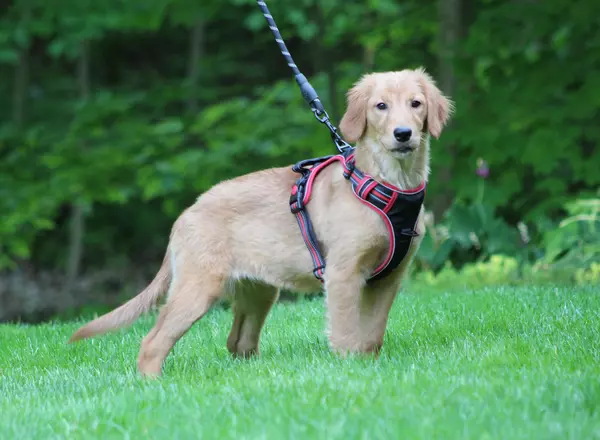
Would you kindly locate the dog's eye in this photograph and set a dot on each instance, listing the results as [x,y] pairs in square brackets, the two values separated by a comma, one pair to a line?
[415,103]
[382,106]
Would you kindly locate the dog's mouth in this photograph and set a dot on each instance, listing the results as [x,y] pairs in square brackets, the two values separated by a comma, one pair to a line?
[403,149]
[398,149]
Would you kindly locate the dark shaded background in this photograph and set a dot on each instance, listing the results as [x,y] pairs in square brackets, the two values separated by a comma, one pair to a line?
[117,115]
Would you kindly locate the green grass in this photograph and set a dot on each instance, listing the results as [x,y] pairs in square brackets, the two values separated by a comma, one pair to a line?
[511,363]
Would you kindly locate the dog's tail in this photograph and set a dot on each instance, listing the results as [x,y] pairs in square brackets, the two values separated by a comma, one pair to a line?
[130,311]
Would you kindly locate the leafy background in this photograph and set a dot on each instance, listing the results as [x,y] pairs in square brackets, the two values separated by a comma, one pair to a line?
[117,115]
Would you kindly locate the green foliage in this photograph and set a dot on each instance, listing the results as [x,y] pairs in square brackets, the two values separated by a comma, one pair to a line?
[522,111]
[471,248]
[589,275]
[470,231]
[575,241]
[498,270]
[134,151]
[502,270]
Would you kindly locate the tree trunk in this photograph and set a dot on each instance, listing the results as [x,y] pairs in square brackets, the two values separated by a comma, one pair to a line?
[449,34]
[195,56]
[368,58]
[77,221]
[20,90]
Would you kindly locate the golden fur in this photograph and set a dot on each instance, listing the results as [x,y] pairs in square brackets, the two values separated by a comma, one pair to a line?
[241,238]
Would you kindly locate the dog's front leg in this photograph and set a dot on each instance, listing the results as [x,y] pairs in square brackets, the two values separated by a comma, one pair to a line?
[343,289]
[357,311]
[376,302]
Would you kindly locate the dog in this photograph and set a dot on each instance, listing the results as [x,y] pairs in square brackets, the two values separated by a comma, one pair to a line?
[240,238]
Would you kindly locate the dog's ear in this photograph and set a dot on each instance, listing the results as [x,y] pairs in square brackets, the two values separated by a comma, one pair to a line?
[439,107]
[354,122]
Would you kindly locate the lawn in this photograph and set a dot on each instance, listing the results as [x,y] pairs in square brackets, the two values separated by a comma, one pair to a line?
[511,363]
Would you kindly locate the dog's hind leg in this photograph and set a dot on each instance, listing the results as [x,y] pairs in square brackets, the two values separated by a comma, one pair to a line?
[251,306]
[191,295]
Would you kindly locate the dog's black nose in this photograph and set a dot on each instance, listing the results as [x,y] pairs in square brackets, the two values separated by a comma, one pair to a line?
[402,134]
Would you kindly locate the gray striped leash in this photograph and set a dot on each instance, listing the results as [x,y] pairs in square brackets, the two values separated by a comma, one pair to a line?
[308,92]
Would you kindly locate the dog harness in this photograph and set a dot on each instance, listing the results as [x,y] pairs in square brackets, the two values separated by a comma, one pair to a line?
[399,209]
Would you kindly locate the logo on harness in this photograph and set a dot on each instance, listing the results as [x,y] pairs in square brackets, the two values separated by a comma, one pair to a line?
[399,209]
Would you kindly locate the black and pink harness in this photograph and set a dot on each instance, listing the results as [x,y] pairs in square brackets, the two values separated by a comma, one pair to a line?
[399,209]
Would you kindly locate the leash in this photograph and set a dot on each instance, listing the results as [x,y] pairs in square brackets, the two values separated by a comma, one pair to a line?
[307,90]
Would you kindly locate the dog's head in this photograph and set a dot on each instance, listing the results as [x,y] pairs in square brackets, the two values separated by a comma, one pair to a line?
[395,109]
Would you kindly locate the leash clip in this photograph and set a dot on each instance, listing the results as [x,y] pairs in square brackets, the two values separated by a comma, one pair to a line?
[320,115]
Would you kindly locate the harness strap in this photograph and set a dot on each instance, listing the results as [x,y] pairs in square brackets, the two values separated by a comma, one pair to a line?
[300,196]
[306,229]
[378,196]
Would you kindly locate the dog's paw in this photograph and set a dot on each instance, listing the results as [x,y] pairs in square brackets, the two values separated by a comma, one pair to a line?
[149,368]
[358,349]
[237,350]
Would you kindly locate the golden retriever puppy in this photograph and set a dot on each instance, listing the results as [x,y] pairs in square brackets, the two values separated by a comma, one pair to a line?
[241,238]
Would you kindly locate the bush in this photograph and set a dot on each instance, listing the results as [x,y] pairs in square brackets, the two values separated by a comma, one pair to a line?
[470,231]
[575,242]
[498,269]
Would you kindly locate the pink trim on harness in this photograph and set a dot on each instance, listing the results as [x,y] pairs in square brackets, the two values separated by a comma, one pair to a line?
[314,171]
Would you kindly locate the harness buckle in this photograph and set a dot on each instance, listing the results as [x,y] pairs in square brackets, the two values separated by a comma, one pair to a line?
[409,232]
[361,190]
[349,169]
[297,196]
[301,167]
